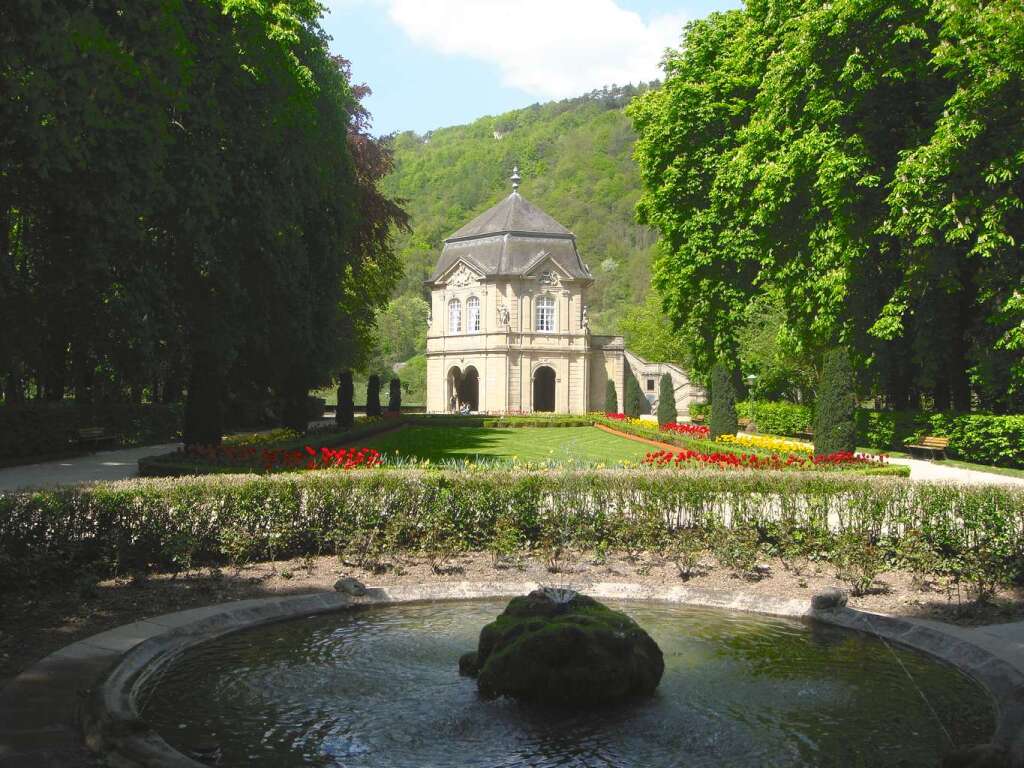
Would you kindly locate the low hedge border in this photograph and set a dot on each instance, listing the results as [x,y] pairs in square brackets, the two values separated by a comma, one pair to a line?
[970,533]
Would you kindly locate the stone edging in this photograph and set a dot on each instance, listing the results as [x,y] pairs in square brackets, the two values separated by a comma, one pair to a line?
[42,720]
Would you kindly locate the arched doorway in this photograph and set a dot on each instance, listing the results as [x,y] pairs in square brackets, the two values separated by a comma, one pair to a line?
[544,389]
[463,390]
[469,390]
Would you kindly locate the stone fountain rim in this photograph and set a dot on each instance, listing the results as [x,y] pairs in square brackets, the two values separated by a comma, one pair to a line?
[126,655]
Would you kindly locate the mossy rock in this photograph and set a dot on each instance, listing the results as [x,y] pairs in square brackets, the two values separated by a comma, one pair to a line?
[564,649]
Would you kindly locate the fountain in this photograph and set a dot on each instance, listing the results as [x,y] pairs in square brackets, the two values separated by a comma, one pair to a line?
[555,646]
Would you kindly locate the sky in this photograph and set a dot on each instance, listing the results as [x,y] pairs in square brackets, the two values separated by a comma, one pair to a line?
[435,63]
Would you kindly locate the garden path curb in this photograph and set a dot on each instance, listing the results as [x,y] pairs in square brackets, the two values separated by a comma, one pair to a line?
[81,698]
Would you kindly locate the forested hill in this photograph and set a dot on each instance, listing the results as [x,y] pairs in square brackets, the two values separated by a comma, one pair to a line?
[575,157]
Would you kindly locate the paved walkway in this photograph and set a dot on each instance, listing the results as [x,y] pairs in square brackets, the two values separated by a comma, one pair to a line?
[105,465]
[929,470]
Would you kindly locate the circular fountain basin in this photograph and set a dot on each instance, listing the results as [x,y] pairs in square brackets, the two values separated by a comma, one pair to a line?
[379,686]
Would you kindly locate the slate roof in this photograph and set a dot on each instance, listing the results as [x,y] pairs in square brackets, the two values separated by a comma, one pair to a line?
[508,239]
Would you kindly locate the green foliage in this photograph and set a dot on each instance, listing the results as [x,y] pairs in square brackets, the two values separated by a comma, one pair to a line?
[776,418]
[981,438]
[834,426]
[648,333]
[634,403]
[684,547]
[345,414]
[972,535]
[395,395]
[666,400]
[189,207]
[611,399]
[723,402]
[858,559]
[373,396]
[845,197]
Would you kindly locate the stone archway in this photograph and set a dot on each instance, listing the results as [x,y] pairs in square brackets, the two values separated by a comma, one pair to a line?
[544,389]
[469,390]
[463,389]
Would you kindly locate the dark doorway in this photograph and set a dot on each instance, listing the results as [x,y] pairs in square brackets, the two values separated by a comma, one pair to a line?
[469,388]
[544,389]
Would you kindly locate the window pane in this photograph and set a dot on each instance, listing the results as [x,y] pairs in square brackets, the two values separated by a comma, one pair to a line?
[473,314]
[454,316]
[545,314]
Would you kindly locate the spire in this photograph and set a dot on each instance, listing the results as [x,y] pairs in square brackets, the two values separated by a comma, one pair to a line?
[516,178]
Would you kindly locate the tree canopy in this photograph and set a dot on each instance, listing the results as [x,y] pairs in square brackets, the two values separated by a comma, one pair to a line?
[188,202]
[863,160]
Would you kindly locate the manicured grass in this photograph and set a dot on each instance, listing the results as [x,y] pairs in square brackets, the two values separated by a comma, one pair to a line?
[563,444]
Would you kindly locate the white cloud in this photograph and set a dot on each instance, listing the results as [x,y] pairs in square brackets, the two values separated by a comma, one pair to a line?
[548,48]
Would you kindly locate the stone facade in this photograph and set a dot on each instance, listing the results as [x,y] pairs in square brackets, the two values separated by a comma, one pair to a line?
[508,326]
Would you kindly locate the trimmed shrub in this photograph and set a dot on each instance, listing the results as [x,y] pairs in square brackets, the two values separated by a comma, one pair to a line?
[834,426]
[346,413]
[980,437]
[635,402]
[373,396]
[666,401]
[611,397]
[395,395]
[972,534]
[723,402]
[777,417]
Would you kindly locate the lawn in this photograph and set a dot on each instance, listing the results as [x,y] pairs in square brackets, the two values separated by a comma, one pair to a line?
[562,444]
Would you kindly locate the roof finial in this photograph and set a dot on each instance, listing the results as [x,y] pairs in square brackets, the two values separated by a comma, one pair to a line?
[516,178]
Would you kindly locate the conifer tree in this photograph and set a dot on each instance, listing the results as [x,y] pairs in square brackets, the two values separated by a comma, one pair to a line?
[634,400]
[666,401]
[395,395]
[611,398]
[834,414]
[723,401]
[373,396]
[345,415]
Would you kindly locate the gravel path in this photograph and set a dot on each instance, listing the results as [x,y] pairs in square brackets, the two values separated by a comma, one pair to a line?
[929,470]
[105,465]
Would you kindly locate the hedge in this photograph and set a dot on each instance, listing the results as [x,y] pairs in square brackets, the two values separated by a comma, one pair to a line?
[969,532]
[39,428]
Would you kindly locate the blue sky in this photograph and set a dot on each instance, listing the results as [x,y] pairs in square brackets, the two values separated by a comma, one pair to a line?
[433,63]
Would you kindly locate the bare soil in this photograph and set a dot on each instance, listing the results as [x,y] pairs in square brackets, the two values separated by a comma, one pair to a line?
[36,620]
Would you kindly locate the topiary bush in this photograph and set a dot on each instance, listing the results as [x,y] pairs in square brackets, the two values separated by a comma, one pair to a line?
[666,401]
[611,397]
[373,396]
[834,426]
[723,402]
[635,401]
[395,395]
[346,413]
[777,417]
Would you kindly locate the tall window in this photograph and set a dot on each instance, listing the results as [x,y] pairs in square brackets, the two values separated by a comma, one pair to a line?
[454,316]
[545,314]
[473,314]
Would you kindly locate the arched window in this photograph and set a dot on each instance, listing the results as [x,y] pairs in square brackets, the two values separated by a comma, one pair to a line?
[454,316]
[472,315]
[545,314]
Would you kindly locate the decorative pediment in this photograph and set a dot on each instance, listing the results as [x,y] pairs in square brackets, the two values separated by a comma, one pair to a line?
[460,275]
[546,271]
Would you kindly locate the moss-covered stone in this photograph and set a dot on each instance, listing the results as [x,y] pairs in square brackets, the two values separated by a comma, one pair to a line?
[562,648]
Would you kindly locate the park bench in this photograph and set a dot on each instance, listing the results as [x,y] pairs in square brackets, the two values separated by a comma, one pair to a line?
[932,445]
[94,436]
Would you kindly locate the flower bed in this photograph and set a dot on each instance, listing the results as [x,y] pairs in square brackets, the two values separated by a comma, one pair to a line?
[698,431]
[768,442]
[728,460]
